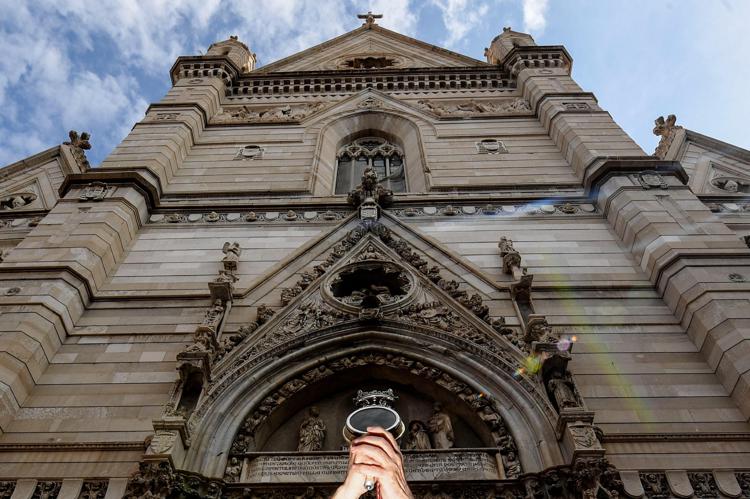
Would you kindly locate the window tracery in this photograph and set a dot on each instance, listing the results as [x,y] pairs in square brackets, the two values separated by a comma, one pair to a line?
[382,156]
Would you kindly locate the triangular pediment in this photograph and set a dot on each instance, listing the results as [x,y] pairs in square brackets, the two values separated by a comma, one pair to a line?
[372,47]
[408,290]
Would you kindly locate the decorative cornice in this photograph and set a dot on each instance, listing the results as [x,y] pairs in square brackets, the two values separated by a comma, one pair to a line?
[675,437]
[72,446]
[250,217]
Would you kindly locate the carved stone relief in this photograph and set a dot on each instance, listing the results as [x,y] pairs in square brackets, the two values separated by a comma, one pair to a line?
[79,143]
[249,152]
[732,185]
[17,201]
[93,489]
[313,314]
[655,485]
[46,490]
[490,146]
[439,426]
[704,484]
[473,108]
[263,114]
[95,191]
[652,179]
[6,489]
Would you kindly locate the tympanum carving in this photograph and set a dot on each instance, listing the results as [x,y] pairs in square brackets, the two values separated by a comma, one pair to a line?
[440,426]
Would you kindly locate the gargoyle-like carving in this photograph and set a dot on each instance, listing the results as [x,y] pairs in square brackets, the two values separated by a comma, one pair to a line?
[78,144]
[475,108]
[666,129]
[370,188]
[539,330]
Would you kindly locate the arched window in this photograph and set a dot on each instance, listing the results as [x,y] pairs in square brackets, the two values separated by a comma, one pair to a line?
[385,158]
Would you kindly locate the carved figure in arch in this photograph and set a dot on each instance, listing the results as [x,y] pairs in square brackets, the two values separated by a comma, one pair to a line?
[512,465]
[312,432]
[441,428]
[562,392]
[417,438]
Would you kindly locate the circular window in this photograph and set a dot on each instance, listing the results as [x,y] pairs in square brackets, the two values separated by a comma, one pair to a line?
[369,285]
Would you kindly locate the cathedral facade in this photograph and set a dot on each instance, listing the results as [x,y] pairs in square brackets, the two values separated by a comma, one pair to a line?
[473,249]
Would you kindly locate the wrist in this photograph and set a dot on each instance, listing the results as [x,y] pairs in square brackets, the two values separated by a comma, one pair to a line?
[348,490]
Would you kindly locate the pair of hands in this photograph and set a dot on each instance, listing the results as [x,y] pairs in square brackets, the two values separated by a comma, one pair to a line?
[376,457]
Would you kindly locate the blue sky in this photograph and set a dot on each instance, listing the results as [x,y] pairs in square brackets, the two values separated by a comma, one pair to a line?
[95,65]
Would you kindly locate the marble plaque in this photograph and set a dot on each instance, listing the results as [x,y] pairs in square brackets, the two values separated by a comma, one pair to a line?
[422,466]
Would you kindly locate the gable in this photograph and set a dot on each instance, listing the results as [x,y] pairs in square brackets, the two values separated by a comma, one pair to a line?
[371,47]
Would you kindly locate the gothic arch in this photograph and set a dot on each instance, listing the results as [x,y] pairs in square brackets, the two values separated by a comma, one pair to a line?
[373,116]
[528,423]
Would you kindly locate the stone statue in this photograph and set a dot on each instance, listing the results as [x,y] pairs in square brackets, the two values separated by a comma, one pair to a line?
[512,465]
[417,438]
[441,428]
[213,315]
[312,431]
[562,393]
[231,255]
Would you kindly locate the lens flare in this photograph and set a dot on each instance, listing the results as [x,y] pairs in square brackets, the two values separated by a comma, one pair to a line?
[533,364]
[563,344]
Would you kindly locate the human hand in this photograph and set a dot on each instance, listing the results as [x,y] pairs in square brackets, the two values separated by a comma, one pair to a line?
[377,457]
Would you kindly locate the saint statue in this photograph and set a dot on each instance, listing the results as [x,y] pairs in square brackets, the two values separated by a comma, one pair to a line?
[312,431]
[441,428]
[562,393]
[418,438]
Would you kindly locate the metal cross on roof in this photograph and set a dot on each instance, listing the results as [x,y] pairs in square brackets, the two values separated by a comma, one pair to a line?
[369,17]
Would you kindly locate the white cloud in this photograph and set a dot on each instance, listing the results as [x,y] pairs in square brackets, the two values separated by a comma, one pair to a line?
[534,15]
[460,17]
[398,15]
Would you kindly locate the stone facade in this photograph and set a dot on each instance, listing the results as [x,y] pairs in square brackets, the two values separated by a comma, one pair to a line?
[557,312]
